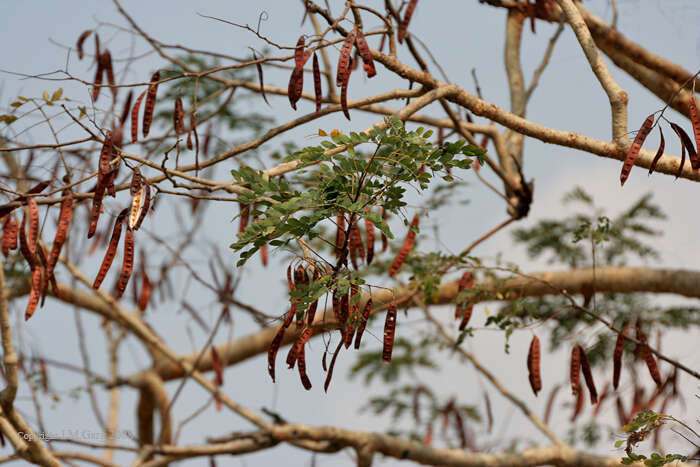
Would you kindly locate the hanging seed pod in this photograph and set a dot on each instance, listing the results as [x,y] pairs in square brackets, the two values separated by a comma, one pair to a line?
[687,143]
[580,399]
[27,254]
[464,311]
[550,403]
[385,241]
[64,219]
[694,118]
[272,351]
[105,157]
[363,49]
[659,152]
[146,289]
[9,234]
[126,109]
[332,365]
[179,117]
[533,365]
[389,329]
[109,70]
[136,210]
[369,228]
[305,381]
[150,104]
[135,117]
[357,248]
[136,182]
[647,356]
[146,189]
[81,39]
[634,149]
[33,225]
[295,87]
[363,322]
[318,91]
[622,416]
[111,249]
[260,78]
[403,24]
[264,255]
[617,356]
[405,248]
[588,376]
[575,370]
[603,396]
[43,262]
[299,53]
[340,233]
[344,60]
[193,128]
[218,367]
[344,94]
[97,81]
[34,292]
[244,211]
[127,263]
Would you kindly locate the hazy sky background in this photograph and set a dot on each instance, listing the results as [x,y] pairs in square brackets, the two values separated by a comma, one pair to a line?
[462,35]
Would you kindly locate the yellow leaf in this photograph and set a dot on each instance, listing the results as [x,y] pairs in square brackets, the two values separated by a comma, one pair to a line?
[57,95]
[322,133]
[45,95]
[336,132]
[82,112]
[23,99]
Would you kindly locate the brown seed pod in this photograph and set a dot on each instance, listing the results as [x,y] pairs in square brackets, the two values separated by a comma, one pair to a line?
[260,78]
[146,205]
[81,39]
[588,376]
[105,157]
[354,315]
[135,212]
[299,53]
[150,104]
[385,241]
[403,24]
[127,263]
[389,330]
[687,143]
[43,261]
[344,95]
[111,249]
[97,47]
[363,322]
[575,370]
[264,255]
[106,57]
[682,164]
[34,292]
[10,229]
[357,248]
[296,86]
[332,365]
[647,356]
[136,182]
[301,358]
[405,248]
[617,356]
[126,109]
[97,81]
[318,91]
[550,403]
[343,72]
[634,149]
[603,395]
[659,152]
[363,49]
[272,351]
[462,311]
[64,219]
[27,254]
[217,366]
[244,211]
[135,117]
[622,416]
[33,225]
[694,118]
[193,129]
[179,117]
[146,289]
[340,233]
[533,365]
[369,228]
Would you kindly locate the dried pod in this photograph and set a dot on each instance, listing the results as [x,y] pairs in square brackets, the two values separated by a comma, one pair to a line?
[343,72]
[244,210]
[217,366]
[580,399]
[146,205]
[135,117]
[106,57]
[389,330]
[301,366]
[647,356]
[588,376]
[193,129]
[127,263]
[405,248]
[357,248]
[694,118]
[332,365]
[363,49]
[27,254]
[105,157]
[34,292]
[617,356]
[136,210]
[634,149]
[150,104]
[463,311]
[10,229]
[296,86]
[272,351]
[126,109]
[146,289]
[363,322]
[179,117]
[318,92]
[344,95]
[97,81]
[550,403]
[385,241]
[64,219]
[575,370]
[81,39]
[403,24]
[260,78]
[299,53]
[33,225]
[369,228]
[687,143]
[111,249]
[136,182]
[659,152]
[340,233]
[533,365]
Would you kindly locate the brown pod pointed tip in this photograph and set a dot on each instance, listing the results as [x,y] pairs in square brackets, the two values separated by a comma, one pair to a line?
[135,117]
[635,148]
[150,103]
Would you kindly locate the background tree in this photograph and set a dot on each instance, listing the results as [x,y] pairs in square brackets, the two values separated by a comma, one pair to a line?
[149,146]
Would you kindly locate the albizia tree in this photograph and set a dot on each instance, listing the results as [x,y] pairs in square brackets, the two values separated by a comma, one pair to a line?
[108,213]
